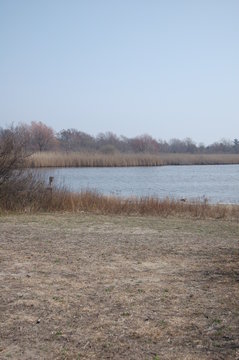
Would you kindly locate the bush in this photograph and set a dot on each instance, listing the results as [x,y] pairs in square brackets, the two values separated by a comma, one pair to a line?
[12,155]
[18,186]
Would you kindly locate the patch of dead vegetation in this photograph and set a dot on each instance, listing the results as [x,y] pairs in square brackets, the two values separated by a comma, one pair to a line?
[97,287]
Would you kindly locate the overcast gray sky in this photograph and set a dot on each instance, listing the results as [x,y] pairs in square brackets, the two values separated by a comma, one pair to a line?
[167,68]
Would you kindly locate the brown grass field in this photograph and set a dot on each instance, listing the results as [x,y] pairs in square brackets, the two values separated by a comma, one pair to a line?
[77,286]
[76,159]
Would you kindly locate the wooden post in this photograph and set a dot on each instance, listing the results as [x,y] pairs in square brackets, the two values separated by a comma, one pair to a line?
[51,178]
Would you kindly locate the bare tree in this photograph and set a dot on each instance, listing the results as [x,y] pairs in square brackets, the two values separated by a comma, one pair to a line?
[19,187]
[42,136]
[12,153]
[74,140]
[236,145]
[144,143]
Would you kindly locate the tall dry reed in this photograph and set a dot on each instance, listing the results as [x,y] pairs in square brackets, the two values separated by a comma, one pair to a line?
[94,202]
[47,200]
[74,159]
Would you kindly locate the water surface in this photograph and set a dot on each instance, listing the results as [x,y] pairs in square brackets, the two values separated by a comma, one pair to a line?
[218,183]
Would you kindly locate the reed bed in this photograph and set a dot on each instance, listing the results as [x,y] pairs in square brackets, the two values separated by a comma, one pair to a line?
[89,201]
[55,200]
[76,159]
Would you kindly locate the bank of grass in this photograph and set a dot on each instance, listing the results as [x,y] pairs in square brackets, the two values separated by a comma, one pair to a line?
[43,199]
[97,203]
[77,159]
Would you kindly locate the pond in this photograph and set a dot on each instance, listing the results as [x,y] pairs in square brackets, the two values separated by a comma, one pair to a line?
[218,183]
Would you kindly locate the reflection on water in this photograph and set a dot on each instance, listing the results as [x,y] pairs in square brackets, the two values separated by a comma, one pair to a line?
[218,183]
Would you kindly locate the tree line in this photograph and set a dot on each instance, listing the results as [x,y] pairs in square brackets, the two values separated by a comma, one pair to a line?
[39,137]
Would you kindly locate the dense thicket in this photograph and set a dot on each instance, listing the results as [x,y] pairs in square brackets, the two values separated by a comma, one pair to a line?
[40,137]
[18,186]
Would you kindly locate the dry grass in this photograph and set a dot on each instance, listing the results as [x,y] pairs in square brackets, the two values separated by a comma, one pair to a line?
[96,203]
[92,202]
[74,159]
[102,287]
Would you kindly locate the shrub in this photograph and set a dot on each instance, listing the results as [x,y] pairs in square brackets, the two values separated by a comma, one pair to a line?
[12,155]
[18,186]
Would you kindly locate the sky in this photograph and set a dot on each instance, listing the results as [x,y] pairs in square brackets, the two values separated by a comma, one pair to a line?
[167,68]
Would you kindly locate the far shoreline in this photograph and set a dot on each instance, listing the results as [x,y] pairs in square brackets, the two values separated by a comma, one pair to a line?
[59,159]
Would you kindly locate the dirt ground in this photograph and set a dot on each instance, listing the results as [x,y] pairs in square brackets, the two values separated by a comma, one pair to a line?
[97,287]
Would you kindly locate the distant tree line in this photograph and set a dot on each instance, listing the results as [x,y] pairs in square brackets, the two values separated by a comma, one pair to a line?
[39,137]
